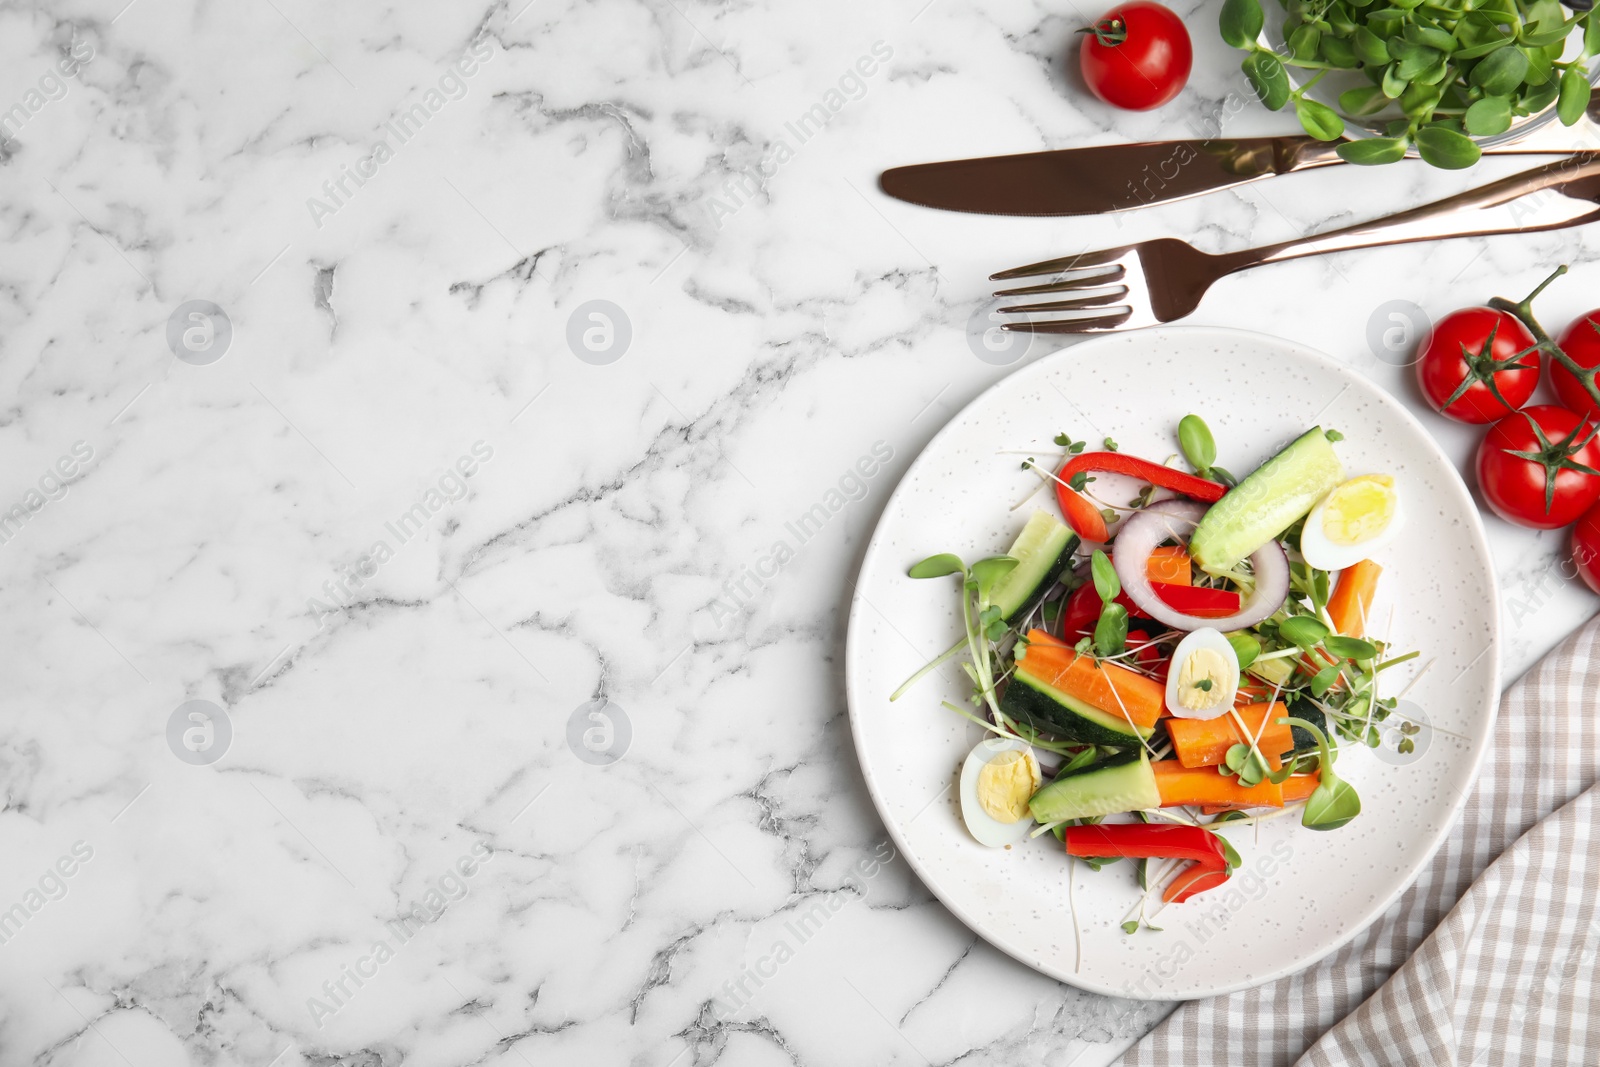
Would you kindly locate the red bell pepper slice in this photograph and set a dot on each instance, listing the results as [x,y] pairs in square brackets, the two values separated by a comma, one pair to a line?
[1198,600]
[1081,612]
[1143,840]
[1189,485]
[1081,514]
[1157,841]
[1191,882]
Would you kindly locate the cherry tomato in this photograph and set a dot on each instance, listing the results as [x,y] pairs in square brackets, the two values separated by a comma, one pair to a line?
[1458,350]
[1551,490]
[1137,57]
[1581,341]
[1586,548]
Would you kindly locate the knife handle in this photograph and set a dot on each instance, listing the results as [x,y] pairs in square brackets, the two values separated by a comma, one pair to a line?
[1563,193]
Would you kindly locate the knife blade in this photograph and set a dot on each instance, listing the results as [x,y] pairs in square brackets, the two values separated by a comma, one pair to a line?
[1103,178]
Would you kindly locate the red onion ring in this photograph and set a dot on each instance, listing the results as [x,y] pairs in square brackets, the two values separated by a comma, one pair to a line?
[1145,529]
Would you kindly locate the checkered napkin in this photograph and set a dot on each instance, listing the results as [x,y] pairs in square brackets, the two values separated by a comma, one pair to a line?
[1491,956]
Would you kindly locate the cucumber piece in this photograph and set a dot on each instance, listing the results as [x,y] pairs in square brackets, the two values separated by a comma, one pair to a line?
[1273,671]
[1043,550]
[1304,740]
[1042,706]
[1121,783]
[1274,497]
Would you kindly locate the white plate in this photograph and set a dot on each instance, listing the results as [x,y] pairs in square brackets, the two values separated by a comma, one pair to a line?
[1301,893]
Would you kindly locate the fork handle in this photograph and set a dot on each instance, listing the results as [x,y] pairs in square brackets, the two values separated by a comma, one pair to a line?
[1532,200]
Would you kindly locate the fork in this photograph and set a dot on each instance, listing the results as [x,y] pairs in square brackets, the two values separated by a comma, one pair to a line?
[1164,279]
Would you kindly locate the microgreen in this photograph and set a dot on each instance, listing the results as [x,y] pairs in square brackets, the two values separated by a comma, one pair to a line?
[1247,648]
[1349,647]
[1303,630]
[982,621]
[1199,447]
[1111,630]
[938,566]
[1444,68]
[1334,802]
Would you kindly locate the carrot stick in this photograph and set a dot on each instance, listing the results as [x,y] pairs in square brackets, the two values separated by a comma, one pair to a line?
[1349,604]
[1180,786]
[1299,787]
[1170,565]
[1352,597]
[1114,690]
[1205,742]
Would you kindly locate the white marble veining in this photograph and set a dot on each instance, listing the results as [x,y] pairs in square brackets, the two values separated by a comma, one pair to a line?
[401,534]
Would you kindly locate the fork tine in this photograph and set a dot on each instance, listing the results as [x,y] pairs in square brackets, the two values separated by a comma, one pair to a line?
[1091,324]
[1117,296]
[1065,263]
[1115,274]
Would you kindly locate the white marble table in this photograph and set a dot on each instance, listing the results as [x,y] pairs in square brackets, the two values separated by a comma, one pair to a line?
[398,535]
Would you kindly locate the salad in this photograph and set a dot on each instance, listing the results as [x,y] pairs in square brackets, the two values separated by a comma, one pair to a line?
[1150,673]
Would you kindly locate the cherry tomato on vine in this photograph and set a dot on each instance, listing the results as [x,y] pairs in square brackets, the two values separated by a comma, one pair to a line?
[1540,467]
[1581,341]
[1473,360]
[1586,548]
[1136,57]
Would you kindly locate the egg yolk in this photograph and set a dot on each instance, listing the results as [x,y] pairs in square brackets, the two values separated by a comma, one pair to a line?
[1200,679]
[1005,783]
[1359,510]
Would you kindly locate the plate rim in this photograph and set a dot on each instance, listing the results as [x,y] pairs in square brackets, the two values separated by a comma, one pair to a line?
[1480,542]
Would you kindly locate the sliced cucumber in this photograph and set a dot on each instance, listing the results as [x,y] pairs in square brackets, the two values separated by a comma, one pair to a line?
[1044,707]
[1304,740]
[1121,783]
[1273,498]
[1042,550]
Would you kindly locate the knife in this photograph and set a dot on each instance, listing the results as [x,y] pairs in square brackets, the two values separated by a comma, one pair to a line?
[1101,178]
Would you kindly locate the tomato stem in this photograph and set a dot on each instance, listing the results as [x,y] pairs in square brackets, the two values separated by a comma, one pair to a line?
[1524,311]
[1109,32]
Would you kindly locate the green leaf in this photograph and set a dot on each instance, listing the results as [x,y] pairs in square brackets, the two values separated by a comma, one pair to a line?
[1541,69]
[1591,35]
[1539,97]
[1334,802]
[1319,120]
[1350,647]
[1575,92]
[1268,79]
[1241,22]
[1536,35]
[1324,679]
[1245,647]
[986,572]
[1373,152]
[938,566]
[1499,73]
[1483,48]
[1417,61]
[1130,926]
[1488,116]
[1393,84]
[1303,42]
[1339,52]
[1431,36]
[1111,631]
[1370,47]
[1367,100]
[1229,853]
[1303,630]
[1199,447]
[1329,809]
[1446,149]
[1105,576]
